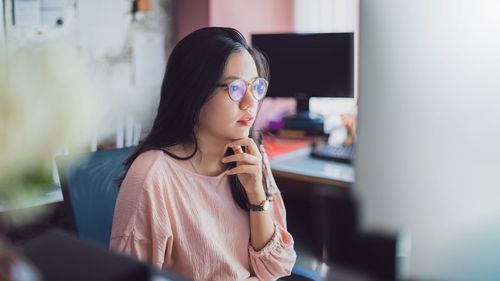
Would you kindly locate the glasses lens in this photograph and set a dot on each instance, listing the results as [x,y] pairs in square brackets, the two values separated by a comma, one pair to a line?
[237,89]
[259,88]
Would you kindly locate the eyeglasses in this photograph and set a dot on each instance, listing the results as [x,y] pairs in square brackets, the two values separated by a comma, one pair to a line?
[238,88]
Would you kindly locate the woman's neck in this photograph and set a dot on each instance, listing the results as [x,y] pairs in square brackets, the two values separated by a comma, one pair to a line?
[208,159]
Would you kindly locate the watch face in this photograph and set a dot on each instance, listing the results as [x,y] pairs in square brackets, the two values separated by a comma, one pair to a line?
[263,206]
[266,205]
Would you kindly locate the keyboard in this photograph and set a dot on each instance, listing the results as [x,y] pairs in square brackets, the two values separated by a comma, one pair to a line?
[340,153]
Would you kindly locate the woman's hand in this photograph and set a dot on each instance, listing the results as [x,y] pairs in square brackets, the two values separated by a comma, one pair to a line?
[248,167]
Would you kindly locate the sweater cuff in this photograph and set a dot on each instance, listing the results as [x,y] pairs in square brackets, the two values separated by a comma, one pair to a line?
[273,243]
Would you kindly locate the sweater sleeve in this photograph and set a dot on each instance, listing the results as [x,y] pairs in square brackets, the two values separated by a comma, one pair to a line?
[277,258]
[141,225]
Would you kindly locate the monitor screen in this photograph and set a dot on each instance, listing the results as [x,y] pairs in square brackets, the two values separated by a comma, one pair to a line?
[309,65]
[428,152]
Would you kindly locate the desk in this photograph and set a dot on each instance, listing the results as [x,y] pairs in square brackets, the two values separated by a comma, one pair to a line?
[316,195]
[298,165]
[53,196]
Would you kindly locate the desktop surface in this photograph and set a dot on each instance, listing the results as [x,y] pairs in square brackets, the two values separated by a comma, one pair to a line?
[301,164]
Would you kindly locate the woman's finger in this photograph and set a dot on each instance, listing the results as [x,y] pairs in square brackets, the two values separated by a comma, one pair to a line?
[243,169]
[242,157]
[246,142]
[237,149]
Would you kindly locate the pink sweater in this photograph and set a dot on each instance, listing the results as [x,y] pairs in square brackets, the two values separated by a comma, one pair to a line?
[188,223]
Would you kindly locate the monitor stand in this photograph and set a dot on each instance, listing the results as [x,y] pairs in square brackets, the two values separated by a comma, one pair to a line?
[304,120]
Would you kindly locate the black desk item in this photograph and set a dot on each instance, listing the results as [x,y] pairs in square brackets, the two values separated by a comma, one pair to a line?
[59,256]
[340,153]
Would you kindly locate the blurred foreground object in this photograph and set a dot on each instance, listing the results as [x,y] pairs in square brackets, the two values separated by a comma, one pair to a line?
[13,267]
[60,256]
[46,102]
[428,152]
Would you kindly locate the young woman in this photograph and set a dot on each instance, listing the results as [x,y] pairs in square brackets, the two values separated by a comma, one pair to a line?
[198,197]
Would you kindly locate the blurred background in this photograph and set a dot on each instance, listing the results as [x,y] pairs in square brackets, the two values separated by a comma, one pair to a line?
[409,194]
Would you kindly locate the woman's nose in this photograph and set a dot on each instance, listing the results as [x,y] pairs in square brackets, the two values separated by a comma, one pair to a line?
[248,100]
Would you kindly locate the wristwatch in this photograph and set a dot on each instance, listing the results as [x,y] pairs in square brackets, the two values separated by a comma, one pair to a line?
[262,206]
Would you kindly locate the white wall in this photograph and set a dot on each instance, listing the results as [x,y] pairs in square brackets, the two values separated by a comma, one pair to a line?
[109,53]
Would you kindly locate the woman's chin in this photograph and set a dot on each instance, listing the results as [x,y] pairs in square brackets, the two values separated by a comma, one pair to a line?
[239,134]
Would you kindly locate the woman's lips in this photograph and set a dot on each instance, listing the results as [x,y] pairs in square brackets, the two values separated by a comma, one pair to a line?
[246,121]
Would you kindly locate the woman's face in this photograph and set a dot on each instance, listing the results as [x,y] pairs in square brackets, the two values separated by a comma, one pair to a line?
[222,117]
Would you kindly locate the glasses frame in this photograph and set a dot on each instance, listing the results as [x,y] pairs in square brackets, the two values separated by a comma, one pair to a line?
[248,85]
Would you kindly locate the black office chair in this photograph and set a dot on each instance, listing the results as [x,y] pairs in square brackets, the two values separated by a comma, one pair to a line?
[90,190]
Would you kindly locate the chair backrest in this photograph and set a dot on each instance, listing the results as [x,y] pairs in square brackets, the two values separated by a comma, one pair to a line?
[90,189]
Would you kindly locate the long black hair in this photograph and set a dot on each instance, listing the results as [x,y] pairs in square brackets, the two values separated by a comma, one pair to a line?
[194,68]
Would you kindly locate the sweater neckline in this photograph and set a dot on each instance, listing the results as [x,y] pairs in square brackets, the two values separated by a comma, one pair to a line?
[185,170]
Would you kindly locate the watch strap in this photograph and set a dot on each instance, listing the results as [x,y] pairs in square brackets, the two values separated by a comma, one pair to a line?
[259,207]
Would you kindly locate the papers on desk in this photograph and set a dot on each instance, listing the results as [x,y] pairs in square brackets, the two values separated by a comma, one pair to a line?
[279,146]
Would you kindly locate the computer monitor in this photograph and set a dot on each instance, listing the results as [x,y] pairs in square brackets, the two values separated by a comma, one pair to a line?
[309,65]
[428,152]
